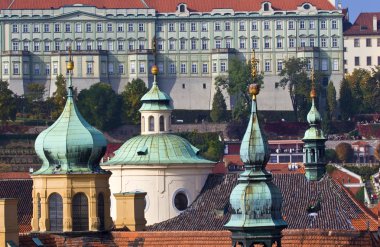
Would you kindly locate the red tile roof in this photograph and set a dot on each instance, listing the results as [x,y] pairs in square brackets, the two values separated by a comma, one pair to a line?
[167,5]
[14,175]
[364,20]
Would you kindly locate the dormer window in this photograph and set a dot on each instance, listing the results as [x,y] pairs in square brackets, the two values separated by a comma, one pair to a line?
[182,8]
[266,6]
[306,6]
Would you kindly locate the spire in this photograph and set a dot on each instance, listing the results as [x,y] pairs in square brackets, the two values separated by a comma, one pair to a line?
[314,140]
[70,68]
[255,201]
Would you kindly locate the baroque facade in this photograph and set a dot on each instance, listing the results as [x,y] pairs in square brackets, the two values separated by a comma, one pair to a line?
[194,41]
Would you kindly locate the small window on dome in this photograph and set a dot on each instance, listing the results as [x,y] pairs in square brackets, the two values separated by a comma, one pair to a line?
[306,6]
[182,8]
[180,201]
[266,6]
[151,123]
[143,124]
[162,123]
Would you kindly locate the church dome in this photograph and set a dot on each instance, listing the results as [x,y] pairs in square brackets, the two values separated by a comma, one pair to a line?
[70,145]
[155,150]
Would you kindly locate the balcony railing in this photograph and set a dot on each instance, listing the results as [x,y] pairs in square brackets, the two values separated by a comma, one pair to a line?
[307,49]
[223,50]
[15,53]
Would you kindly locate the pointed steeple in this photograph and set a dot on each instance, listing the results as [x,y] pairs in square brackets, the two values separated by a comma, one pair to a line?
[256,202]
[314,140]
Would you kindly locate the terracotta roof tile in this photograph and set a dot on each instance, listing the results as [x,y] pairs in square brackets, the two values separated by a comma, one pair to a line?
[364,25]
[14,175]
[166,5]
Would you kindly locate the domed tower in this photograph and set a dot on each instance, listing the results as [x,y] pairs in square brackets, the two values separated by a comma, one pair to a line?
[256,202]
[70,190]
[155,110]
[314,140]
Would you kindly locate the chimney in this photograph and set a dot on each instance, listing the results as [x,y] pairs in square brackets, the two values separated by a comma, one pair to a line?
[375,23]
[130,208]
[8,222]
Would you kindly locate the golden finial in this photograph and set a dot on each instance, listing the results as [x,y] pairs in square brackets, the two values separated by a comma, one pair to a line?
[70,63]
[313,93]
[154,70]
[254,63]
[253,90]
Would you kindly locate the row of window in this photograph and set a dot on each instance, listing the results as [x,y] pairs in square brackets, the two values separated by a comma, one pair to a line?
[76,27]
[182,26]
[368,61]
[172,68]
[242,25]
[368,42]
[172,44]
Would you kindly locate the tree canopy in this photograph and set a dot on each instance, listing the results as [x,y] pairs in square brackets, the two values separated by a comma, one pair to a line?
[7,103]
[100,106]
[59,96]
[219,108]
[344,152]
[345,99]
[236,83]
[132,95]
[331,100]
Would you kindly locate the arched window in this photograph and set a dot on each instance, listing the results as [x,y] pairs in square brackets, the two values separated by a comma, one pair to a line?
[101,211]
[266,6]
[80,212]
[162,123]
[182,8]
[143,124]
[56,212]
[151,123]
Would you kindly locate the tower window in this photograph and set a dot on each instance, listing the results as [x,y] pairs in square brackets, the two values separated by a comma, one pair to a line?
[56,212]
[162,123]
[183,86]
[80,212]
[151,123]
[266,6]
[180,201]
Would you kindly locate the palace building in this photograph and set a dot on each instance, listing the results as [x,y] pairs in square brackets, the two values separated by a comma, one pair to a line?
[190,41]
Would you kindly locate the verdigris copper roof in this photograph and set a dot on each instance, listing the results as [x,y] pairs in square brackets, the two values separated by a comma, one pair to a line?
[211,209]
[70,145]
[156,149]
[155,99]
[314,119]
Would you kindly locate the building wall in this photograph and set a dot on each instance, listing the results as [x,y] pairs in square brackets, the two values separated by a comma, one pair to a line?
[161,185]
[192,48]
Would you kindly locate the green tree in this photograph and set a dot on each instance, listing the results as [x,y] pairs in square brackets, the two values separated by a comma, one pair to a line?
[361,90]
[236,83]
[372,91]
[377,152]
[330,155]
[35,99]
[219,108]
[331,100]
[7,103]
[131,96]
[345,100]
[344,152]
[295,78]
[100,106]
[59,96]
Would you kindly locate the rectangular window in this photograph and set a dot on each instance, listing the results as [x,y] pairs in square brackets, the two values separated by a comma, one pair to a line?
[171,27]
[159,27]
[357,61]
[141,27]
[204,27]
[303,42]
[110,68]
[302,24]
[109,27]
[378,60]
[79,45]
[324,64]
[142,67]
[160,45]
[334,42]
[36,28]
[99,27]
[228,43]
[55,68]
[335,64]
[132,66]
[255,43]
[57,45]
[214,68]
[120,45]
[266,25]
[193,27]
[291,25]
[141,44]
[323,42]
[183,68]
[227,26]
[267,43]
[172,44]
[312,24]
[242,26]
[279,65]
[308,64]
[205,68]
[323,24]
[193,44]
[369,61]
[194,68]
[36,46]
[172,69]
[254,25]
[89,45]
[368,42]
[110,45]
[88,27]
[14,28]
[311,42]
[25,28]
[182,27]
[99,45]
[242,43]
[217,26]
[90,69]
[47,45]
[47,69]
[218,43]
[278,25]
[6,69]
[292,42]
[46,28]
[223,67]
[131,45]
[182,44]
[78,27]
[67,28]
[204,44]
[16,68]
[378,42]
[121,69]
[130,27]
[120,27]
[334,24]
[57,27]
[26,45]
[279,42]
[15,46]
[161,67]
[267,66]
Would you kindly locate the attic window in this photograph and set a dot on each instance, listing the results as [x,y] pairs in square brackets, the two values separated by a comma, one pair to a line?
[266,6]
[142,151]
[306,6]
[182,8]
